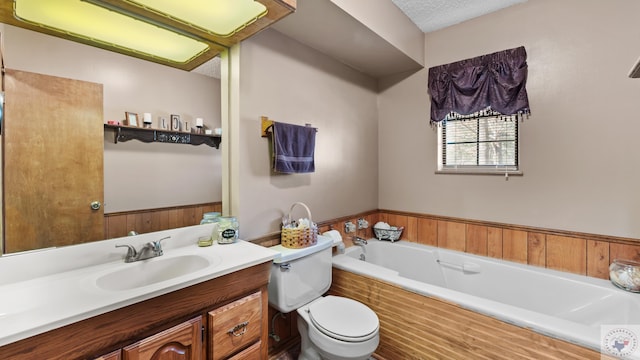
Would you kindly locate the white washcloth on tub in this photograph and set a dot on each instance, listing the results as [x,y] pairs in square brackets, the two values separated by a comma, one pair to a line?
[334,235]
[337,239]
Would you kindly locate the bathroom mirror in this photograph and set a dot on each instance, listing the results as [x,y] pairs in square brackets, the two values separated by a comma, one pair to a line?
[137,176]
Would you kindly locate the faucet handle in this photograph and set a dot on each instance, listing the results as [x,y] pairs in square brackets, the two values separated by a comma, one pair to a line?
[157,246]
[131,251]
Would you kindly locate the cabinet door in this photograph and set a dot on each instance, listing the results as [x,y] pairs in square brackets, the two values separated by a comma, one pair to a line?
[115,355]
[181,342]
[234,326]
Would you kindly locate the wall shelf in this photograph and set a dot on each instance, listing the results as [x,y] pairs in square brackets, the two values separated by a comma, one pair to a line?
[126,133]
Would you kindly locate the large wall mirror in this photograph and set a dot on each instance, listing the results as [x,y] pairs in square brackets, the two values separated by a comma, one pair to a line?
[136,175]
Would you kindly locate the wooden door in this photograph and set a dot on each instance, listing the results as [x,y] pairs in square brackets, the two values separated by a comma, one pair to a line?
[53,145]
[181,342]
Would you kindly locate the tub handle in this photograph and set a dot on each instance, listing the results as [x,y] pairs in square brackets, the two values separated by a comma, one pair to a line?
[467,268]
[285,267]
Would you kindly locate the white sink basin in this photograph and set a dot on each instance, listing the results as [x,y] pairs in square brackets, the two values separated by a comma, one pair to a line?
[147,272]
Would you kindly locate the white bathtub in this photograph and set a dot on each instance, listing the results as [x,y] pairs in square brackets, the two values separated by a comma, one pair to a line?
[558,304]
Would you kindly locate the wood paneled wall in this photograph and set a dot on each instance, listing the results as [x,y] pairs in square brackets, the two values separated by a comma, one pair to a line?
[144,221]
[574,252]
[579,253]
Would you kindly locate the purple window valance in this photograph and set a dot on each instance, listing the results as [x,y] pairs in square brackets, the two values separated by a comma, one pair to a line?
[493,83]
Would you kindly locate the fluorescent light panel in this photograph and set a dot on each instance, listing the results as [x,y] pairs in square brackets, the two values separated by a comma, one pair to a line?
[97,24]
[217,17]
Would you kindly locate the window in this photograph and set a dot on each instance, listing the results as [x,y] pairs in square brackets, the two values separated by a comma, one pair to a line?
[476,104]
[478,145]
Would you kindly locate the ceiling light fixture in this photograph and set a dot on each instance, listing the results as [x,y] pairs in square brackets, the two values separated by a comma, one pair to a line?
[216,17]
[181,34]
[110,28]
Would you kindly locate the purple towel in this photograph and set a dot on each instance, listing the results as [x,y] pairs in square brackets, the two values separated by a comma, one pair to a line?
[293,148]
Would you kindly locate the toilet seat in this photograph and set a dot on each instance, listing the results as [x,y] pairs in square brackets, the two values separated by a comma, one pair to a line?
[343,319]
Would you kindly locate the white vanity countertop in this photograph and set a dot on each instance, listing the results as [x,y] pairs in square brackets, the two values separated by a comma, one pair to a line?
[48,289]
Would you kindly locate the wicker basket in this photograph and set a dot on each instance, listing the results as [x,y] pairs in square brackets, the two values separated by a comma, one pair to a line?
[299,238]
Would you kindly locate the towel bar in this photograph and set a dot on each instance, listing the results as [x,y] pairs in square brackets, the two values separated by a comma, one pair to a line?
[266,124]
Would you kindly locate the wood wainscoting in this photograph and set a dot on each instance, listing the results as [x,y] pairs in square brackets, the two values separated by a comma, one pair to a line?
[149,220]
[413,326]
[569,251]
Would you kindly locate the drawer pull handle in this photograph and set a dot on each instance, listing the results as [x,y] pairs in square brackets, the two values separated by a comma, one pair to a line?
[239,329]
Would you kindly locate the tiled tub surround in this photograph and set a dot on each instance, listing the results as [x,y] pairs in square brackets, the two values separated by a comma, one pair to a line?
[571,308]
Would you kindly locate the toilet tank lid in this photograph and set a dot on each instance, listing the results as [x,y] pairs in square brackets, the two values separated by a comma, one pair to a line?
[287,254]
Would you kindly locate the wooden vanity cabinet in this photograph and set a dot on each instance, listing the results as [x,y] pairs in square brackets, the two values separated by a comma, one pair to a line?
[167,325]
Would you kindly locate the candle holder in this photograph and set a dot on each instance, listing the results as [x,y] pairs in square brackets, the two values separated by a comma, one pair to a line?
[146,120]
[199,125]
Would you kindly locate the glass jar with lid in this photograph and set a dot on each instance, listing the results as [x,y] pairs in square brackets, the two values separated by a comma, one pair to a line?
[210,217]
[227,232]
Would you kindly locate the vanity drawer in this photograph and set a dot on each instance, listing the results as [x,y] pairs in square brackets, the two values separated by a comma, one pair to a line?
[250,353]
[234,326]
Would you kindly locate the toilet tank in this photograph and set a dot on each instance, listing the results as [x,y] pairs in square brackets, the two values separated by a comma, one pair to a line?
[299,276]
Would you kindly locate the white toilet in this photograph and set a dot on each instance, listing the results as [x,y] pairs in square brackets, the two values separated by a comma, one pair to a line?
[331,327]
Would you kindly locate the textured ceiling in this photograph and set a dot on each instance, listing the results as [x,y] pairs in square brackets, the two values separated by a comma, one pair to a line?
[210,68]
[430,15]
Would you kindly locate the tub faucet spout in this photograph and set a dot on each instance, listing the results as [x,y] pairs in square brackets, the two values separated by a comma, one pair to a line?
[359,241]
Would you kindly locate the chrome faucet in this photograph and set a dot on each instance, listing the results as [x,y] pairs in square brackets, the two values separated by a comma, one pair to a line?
[148,251]
[358,241]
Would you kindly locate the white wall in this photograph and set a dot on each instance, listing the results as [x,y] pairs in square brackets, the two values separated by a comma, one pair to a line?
[579,149]
[292,83]
[137,175]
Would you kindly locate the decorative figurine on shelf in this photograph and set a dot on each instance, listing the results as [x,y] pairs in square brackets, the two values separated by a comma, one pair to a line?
[175,122]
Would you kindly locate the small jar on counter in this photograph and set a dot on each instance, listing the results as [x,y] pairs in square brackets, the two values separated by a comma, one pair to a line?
[227,230]
[210,217]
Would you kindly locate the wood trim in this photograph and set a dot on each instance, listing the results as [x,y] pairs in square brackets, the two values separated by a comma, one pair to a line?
[148,220]
[574,252]
[116,329]
[413,326]
[546,231]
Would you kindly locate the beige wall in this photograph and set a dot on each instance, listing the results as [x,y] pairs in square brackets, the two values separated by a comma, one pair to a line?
[389,22]
[137,175]
[292,83]
[579,149]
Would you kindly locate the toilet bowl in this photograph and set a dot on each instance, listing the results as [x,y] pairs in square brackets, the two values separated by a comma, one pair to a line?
[337,328]
[331,327]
